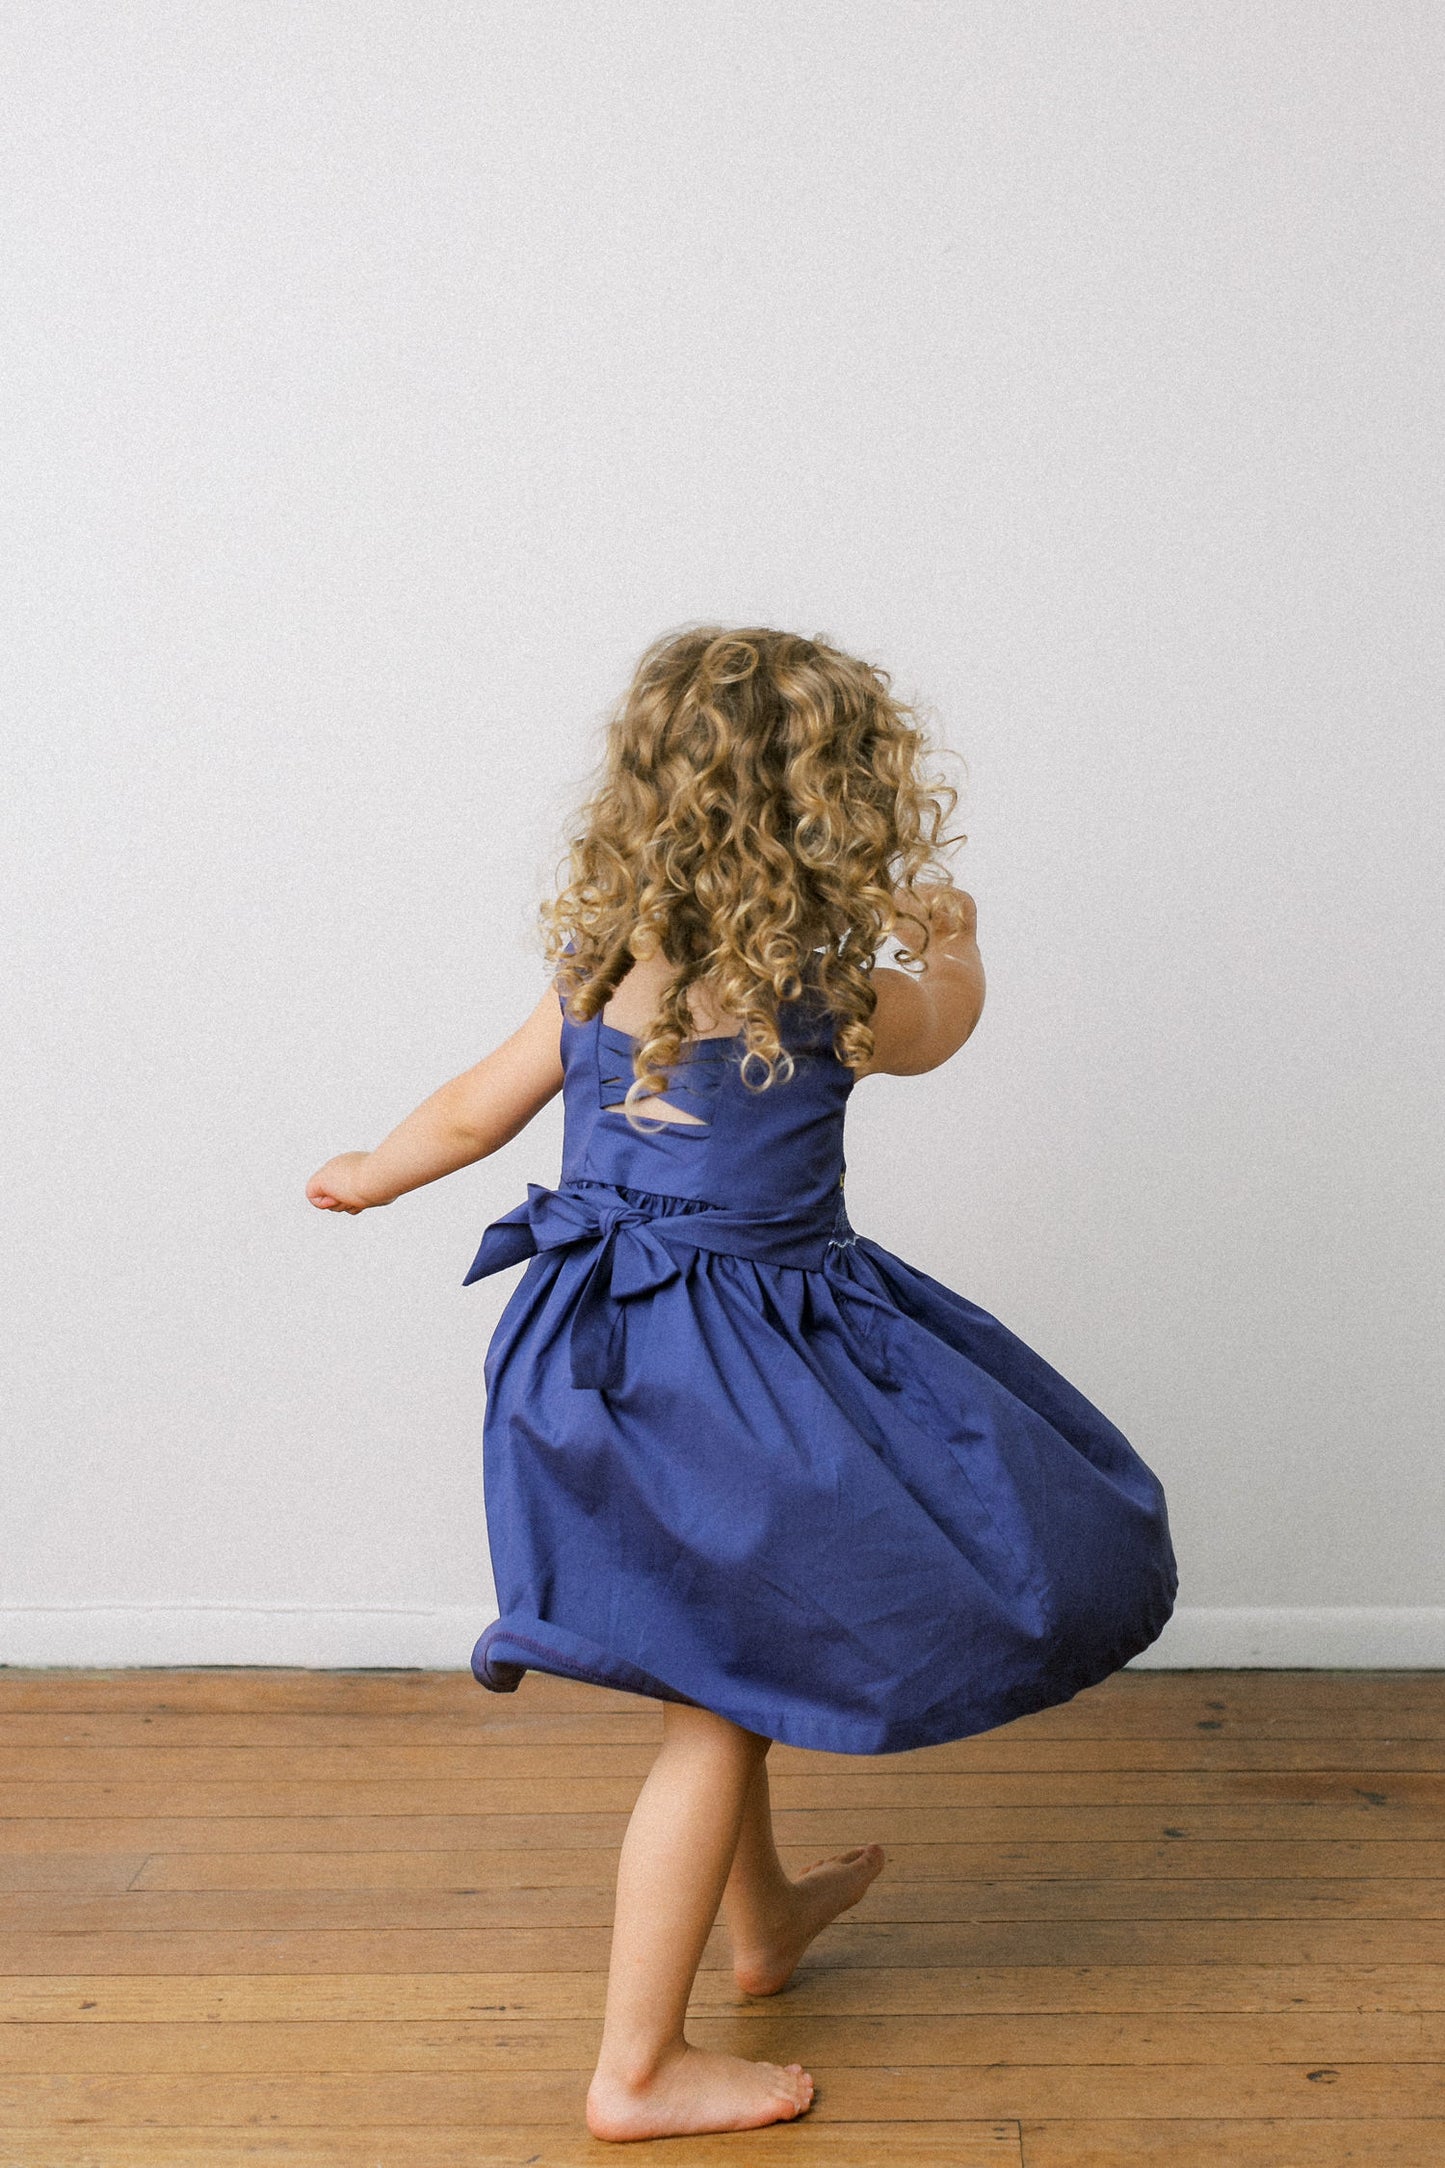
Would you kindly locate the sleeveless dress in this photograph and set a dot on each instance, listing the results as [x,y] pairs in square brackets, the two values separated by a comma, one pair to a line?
[737,1455]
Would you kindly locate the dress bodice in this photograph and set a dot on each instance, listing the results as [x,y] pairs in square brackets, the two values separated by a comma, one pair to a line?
[763,1150]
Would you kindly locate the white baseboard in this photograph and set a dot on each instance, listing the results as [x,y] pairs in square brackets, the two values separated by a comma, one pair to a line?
[123,1635]
[1347,1638]
[1343,1637]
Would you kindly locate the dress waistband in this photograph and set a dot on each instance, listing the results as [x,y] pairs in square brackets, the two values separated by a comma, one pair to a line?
[639,1249]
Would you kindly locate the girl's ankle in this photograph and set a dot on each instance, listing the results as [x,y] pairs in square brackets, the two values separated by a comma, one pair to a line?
[634,2070]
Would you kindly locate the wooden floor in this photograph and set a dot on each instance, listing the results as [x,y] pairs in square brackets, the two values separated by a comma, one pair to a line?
[361,1919]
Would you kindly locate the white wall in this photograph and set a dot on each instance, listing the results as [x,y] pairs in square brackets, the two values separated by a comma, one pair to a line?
[378,379]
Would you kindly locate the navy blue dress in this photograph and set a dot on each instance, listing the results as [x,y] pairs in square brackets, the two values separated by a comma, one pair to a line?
[737,1455]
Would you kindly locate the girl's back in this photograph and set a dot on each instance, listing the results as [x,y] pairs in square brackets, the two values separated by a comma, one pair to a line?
[710,1136]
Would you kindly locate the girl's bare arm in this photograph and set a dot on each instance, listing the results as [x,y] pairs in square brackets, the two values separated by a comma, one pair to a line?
[921,1020]
[472,1115]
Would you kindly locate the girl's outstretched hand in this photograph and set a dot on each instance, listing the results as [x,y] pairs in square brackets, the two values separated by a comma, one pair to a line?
[334,1187]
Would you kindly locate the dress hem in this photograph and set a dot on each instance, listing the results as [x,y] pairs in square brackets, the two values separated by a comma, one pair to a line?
[507,1651]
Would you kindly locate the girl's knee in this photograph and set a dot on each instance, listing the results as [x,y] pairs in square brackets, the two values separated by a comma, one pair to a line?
[685,1724]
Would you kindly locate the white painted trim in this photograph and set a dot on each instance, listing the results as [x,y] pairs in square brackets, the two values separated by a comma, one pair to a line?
[1380,1637]
[1344,1637]
[181,1634]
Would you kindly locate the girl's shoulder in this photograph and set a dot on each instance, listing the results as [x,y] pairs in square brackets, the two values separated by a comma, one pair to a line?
[806,1022]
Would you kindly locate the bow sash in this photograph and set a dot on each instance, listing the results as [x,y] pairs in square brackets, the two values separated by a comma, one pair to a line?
[636,1251]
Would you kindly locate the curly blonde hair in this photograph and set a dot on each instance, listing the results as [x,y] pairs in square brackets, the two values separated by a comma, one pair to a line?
[762,811]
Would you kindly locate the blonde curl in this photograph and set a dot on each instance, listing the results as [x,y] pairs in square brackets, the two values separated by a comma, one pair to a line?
[764,815]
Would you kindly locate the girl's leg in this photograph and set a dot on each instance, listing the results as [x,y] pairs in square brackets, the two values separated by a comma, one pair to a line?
[770,1917]
[650,2081]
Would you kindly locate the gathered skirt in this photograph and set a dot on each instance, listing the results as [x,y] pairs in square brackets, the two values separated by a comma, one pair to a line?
[845,1507]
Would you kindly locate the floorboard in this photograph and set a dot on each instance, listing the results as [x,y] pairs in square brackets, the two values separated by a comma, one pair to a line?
[330,1919]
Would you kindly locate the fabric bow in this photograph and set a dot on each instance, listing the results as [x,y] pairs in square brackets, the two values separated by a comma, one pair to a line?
[632,1258]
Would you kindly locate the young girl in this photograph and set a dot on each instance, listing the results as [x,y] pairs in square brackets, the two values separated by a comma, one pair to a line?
[737,1457]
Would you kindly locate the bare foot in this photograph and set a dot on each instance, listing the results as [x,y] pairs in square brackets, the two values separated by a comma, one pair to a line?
[693,2091]
[819,1895]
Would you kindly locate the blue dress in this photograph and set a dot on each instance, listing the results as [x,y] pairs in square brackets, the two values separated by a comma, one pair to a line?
[737,1455]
